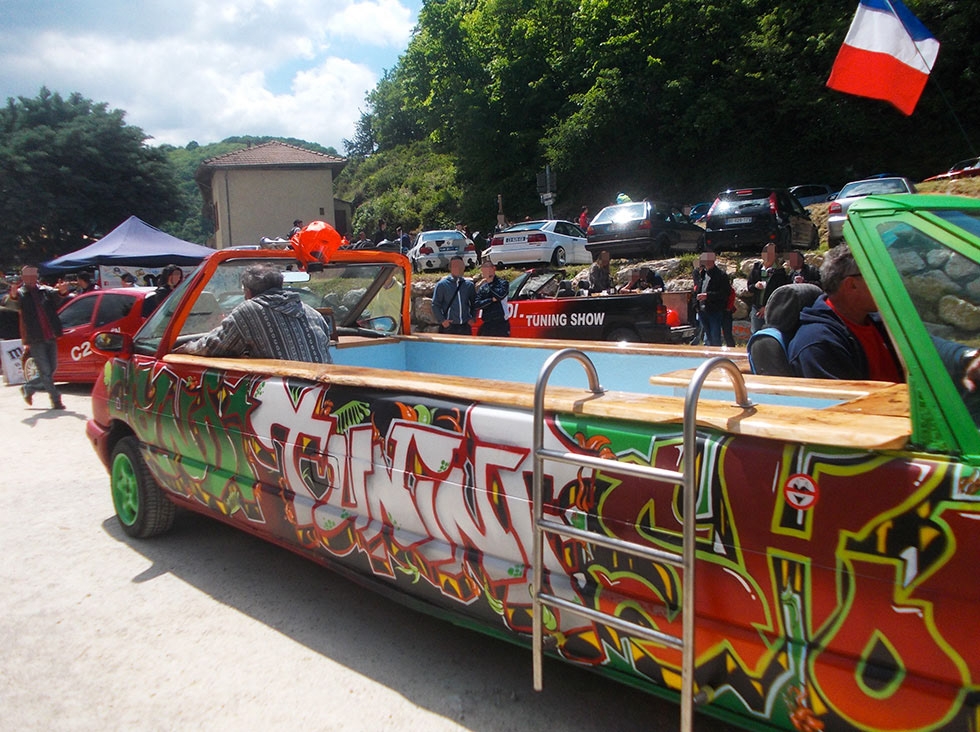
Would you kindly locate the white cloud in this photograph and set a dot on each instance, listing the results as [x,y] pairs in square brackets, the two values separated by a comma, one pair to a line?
[193,71]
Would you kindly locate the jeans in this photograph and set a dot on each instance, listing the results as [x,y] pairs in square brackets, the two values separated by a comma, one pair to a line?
[757,322]
[499,328]
[45,355]
[726,328]
[711,320]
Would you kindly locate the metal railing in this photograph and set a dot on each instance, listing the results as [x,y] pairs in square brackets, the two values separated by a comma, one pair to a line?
[685,560]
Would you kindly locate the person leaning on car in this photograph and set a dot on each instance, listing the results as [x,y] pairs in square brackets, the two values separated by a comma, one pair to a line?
[270,323]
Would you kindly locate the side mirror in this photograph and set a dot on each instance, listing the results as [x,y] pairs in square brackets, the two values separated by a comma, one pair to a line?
[109,344]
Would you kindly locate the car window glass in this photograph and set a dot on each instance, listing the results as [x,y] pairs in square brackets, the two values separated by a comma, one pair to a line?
[112,307]
[966,221]
[734,203]
[626,212]
[562,228]
[78,312]
[944,287]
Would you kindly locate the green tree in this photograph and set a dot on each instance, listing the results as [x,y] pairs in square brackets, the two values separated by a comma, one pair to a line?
[413,186]
[72,170]
[666,98]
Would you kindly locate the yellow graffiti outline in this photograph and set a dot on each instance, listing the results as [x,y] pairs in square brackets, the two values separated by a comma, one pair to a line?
[901,595]
[878,637]
[736,564]
[819,469]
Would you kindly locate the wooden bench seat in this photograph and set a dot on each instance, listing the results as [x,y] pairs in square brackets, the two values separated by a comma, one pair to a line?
[859,429]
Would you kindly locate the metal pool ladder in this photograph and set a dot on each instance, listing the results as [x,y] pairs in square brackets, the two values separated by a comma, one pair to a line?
[685,560]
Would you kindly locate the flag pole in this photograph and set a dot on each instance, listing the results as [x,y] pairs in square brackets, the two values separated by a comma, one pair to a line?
[949,106]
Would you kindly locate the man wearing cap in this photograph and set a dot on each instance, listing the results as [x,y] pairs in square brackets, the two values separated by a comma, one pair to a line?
[39,330]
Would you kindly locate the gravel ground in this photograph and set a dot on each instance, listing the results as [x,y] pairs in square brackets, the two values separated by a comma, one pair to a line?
[207,628]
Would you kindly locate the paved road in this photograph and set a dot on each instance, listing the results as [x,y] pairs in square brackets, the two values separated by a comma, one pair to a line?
[207,628]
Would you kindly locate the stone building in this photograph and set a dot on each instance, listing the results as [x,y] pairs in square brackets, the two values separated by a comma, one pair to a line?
[260,190]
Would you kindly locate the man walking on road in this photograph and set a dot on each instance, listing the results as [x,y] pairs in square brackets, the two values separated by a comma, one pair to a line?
[39,331]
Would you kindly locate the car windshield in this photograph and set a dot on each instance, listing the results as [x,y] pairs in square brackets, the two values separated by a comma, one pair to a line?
[964,164]
[526,226]
[535,284]
[941,284]
[734,202]
[352,295]
[618,214]
[967,221]
[871,187]
[437,236]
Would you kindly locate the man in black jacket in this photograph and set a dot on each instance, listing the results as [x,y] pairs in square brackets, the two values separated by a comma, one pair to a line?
[39,331]
[711,287]
[763,280]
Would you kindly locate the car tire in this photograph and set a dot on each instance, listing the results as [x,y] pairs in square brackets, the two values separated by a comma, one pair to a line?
[662,248]
[142,508]
[558,257]
[622,334]
[699,247]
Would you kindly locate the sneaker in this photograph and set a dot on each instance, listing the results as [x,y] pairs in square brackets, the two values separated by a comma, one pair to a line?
[59,405]
[28,397]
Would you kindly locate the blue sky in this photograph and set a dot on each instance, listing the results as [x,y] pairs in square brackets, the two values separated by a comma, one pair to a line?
[192,70]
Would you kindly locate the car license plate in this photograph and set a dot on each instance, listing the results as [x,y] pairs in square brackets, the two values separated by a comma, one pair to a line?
[738,220]
[514,239]
[447,247]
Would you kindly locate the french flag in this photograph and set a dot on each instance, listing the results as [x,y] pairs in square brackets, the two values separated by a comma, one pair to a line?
[886,55]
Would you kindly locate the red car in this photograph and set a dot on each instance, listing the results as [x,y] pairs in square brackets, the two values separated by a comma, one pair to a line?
[968,168]
[118,309]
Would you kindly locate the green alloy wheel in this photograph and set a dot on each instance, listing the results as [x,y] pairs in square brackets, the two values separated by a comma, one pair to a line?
[142,508]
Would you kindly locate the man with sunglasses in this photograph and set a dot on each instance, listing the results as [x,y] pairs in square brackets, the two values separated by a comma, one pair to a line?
[841,335]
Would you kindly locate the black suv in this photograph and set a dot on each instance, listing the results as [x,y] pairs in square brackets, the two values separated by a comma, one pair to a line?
[643,229]
[750,218]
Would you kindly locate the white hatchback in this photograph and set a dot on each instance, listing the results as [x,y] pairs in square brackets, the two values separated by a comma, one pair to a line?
[552,241]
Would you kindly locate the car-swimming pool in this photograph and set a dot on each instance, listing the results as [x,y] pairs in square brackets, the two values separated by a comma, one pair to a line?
[627,370]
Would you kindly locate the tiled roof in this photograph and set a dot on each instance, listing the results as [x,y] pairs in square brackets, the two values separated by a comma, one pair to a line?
[272,154]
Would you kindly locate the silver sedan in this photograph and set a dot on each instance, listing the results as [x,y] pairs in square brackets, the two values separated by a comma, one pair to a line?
[854,191]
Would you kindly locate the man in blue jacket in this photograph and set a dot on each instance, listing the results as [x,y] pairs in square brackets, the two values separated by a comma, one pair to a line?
[452,301]
[841,335]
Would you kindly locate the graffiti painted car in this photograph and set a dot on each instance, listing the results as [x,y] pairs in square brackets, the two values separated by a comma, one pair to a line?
[801,557]
[543,304]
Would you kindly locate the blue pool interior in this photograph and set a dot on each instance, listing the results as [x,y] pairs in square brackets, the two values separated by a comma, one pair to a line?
[629,372]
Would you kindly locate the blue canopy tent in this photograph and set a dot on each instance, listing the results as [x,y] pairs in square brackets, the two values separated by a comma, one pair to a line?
[135,243]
